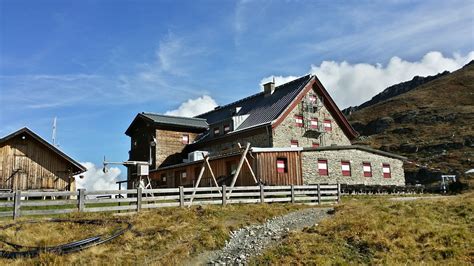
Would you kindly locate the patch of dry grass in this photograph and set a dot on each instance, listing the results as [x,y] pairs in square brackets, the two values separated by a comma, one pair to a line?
[166,236]
[379,231]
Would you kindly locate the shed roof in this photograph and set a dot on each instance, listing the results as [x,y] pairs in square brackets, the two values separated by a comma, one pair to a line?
[168,120]
[79,167]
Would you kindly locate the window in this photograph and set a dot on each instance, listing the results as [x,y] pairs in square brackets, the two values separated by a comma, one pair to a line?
[386,170]
[323,167]
[282,165]
[315,145]
[346,168]
[314,123]
[226,129]
[185,139]
[312,98]
[367,169]
[294,143]
[216,131]
[163,177]
[299,120]
[327,125]
[183,175]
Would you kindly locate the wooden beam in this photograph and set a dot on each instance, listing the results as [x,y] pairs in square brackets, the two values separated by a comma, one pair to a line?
[239,167]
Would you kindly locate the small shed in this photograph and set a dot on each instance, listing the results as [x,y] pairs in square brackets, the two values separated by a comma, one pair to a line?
[28,162]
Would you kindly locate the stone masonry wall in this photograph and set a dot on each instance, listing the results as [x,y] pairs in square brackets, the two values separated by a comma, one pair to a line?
[287,129]
[356,158]
[257,140]
[169,146]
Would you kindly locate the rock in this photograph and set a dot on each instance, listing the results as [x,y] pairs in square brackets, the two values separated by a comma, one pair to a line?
[378,125]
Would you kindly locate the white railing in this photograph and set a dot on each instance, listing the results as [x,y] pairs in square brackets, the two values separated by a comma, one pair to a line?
[23,203]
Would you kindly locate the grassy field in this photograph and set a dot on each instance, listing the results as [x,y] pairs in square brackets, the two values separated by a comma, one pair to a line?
[166,236]
[380,231]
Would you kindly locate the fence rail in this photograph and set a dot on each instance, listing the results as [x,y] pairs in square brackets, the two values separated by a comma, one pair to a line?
[22,203]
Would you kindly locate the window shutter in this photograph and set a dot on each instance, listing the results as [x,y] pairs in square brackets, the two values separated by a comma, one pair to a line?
[367,169]
[346,168]
[323,167]
[294,144]
[386,170]
[327,125]
[299,120]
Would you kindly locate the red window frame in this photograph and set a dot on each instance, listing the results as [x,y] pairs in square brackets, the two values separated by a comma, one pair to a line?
[315,145]
[386,174]
[326,127]
[321,170]
[282,165]
[346,168]
[294,143]
[185,139]
[226,128]
[299,120]
[369,172]
[216,131]
[314,123]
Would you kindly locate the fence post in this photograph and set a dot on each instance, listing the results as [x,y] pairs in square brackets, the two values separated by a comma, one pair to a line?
[224,196]
[181,196]
[292,194]
[80,199]
[262,194]
[319,194]
[17,204]
[338,193]
[139,199]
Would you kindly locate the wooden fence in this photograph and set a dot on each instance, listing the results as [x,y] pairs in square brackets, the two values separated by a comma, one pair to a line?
[22,203]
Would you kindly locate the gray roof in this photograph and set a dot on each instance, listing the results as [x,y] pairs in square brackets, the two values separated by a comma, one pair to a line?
[177,120]
[261,108]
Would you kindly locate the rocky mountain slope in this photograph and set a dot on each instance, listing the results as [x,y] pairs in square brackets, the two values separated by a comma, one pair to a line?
[395,90]
[431,124]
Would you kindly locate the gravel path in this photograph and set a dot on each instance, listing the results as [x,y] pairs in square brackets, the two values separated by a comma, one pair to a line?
[252,240]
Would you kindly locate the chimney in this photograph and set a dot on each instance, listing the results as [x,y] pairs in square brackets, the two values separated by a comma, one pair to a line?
[269,87]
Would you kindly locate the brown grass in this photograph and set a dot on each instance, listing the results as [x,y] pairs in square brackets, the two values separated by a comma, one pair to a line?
[163,236]
[379,231]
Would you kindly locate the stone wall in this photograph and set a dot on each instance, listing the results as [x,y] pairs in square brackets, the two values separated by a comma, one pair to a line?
[169,146]
[256,140]
[356,158]
[287,129]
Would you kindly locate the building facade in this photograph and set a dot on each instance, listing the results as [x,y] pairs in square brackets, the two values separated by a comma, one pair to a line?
[298,114]
[28,162]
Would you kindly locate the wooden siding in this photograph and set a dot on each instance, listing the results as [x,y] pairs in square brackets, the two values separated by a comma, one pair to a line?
[27,164]
[263,164]
[267,168]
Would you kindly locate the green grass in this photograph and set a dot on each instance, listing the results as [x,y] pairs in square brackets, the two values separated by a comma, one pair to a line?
[166,236]
[380,231]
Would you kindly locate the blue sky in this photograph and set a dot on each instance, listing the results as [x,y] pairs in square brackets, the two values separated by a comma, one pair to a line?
[96,64]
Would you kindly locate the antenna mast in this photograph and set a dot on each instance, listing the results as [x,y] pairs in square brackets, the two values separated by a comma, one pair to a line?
[54,132]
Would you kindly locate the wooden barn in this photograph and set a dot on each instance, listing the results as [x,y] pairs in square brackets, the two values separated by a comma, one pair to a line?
[271,166]
[28,162]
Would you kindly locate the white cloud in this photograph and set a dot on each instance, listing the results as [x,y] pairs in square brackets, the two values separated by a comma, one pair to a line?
[352,84]
[96,179]
[193,107]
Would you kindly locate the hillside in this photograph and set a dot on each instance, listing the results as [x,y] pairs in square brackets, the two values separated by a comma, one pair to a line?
[395,90]
[431,124]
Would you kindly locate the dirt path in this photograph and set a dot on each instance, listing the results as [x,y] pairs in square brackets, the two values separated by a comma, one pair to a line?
[252,240]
